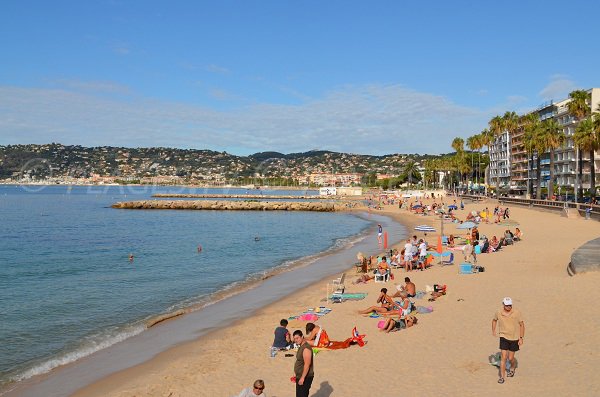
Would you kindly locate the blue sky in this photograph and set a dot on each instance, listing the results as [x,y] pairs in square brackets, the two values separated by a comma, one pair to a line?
[371,77]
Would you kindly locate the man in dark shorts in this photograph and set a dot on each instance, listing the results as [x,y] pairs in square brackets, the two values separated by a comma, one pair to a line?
[409,288]
[303,367]
[511,330]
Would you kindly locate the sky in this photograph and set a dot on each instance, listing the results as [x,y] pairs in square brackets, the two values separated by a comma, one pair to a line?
[368,77]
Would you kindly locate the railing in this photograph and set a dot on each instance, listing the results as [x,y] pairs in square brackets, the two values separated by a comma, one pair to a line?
[547,204]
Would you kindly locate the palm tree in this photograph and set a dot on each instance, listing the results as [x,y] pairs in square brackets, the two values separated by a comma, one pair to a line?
[586,139]
[531,126]
[580,109]
[411,169]
[486,138]
[553,138]
[496,127]
[458,144]
[472,143]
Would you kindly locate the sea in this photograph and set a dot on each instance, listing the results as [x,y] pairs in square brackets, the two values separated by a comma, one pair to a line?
[77,276]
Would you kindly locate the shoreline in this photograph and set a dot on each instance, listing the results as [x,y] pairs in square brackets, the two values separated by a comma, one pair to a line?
[447,351]
[23,387]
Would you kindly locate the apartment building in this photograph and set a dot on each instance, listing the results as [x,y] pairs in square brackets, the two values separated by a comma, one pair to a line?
[514,168]
[500,166]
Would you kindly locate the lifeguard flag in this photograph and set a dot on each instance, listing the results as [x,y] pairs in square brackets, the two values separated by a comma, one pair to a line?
[439,249]
[385,240]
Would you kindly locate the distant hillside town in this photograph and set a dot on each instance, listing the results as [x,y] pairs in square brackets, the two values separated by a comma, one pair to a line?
[61,164]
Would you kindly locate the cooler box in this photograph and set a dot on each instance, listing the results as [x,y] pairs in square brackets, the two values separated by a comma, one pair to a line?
[466,268]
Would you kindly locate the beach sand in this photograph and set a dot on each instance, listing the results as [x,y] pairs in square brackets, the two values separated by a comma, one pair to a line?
[445,354]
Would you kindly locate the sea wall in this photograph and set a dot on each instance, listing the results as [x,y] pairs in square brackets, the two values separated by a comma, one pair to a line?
[229,205]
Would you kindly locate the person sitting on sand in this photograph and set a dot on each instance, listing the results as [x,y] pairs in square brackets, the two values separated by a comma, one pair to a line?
[517,236]
[282,340]
[451,241]
[408,287]
[508,237]
[494,243]
[404,306]
[383,267]
[316,335]
[398,324]
[255,391]
[386,301]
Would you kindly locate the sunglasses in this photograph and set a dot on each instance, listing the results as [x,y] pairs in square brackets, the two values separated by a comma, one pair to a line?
[259,388]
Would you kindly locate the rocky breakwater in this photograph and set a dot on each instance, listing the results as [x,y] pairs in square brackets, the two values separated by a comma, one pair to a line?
[244,196]
[228,205]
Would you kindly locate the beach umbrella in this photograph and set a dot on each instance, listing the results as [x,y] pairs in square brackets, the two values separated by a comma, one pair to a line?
[466,225]
[425,228]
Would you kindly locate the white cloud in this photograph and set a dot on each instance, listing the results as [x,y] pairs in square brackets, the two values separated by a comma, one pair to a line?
[370,119]
[558,88]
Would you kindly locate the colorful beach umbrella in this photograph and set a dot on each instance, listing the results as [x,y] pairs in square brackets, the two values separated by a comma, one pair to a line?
[425,228]
[466,225]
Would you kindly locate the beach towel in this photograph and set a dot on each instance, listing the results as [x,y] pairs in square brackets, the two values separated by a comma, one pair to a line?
[348,297]
[355,339]
[423,309]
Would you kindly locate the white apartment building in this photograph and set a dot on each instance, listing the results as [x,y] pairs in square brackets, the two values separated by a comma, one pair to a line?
[510,170]
[499,168]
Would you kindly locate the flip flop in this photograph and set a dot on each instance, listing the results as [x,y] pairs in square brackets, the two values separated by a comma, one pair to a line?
[501,380]
[510,373]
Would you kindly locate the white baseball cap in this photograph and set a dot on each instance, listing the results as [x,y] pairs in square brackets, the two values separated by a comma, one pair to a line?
[507,301]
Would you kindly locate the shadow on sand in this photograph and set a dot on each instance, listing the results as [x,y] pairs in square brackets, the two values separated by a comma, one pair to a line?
[325,390]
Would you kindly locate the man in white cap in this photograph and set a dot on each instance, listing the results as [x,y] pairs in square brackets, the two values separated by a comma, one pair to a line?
[511,329]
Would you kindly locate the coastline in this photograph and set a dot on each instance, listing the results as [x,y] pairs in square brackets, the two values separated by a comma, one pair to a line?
[447,351]
[25,387]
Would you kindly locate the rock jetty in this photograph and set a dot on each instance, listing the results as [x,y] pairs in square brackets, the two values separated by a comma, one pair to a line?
[228,205]
[245,196]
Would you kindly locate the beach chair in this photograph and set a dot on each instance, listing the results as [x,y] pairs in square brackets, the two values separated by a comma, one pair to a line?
[450,261]
[339,282]
[445,240]
[382,278]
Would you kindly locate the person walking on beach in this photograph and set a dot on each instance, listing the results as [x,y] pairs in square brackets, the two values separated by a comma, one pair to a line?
[379,235]
[303,367]
[511,330]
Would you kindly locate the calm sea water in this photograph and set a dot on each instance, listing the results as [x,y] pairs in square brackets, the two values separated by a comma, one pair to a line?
[67,287]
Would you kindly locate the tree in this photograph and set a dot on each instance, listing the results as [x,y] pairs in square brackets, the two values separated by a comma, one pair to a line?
[586,139]
[496,127]
[553,137]
[531,126]
[475,143]
[411,171]
[580,109]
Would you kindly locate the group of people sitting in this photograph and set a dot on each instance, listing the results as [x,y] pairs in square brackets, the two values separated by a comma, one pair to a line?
[398,312]
[413,256]
[486,215]
[476,244]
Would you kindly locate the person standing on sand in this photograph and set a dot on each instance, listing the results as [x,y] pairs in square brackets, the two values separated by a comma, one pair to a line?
[303,367]
[379,235]
[511,330]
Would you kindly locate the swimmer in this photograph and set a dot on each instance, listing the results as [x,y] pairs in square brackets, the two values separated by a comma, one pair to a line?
[199,248]
[130,257]
[256,238]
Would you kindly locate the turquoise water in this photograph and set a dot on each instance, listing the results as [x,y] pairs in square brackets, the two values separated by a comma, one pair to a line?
[67,287]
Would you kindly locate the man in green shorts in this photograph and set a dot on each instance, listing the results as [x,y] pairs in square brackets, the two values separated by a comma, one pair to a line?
[511,330]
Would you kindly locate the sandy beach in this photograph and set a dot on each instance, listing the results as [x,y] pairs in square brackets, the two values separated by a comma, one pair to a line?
[446,353]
